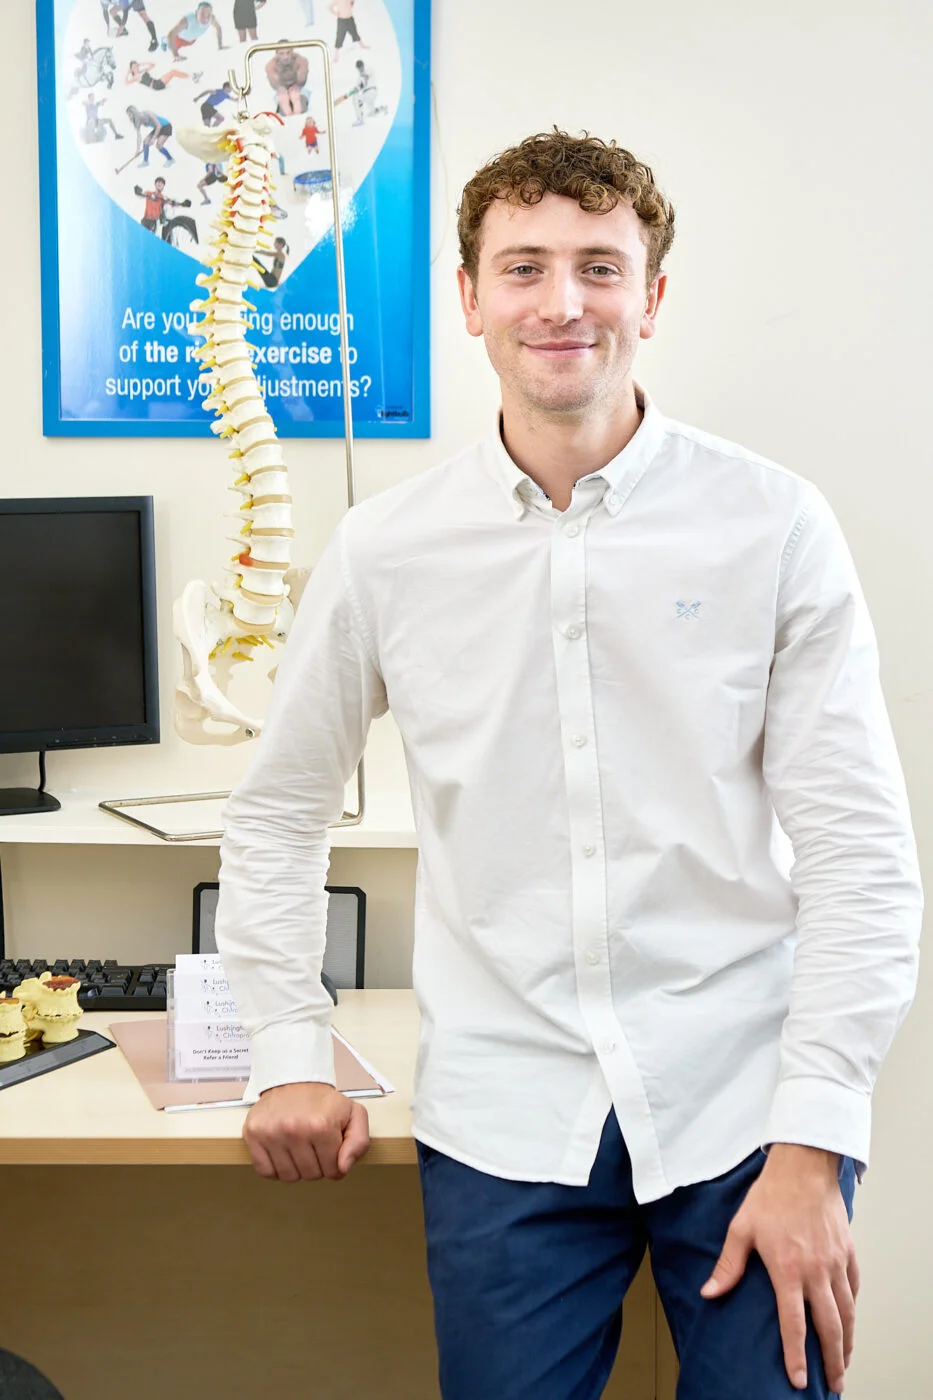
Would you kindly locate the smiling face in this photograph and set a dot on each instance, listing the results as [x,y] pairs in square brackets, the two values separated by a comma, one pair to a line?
[560,300]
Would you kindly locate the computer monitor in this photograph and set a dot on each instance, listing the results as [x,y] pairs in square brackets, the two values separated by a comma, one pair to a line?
[78,652]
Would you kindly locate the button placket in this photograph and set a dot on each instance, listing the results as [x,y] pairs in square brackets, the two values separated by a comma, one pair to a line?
[581,769]
[568,573]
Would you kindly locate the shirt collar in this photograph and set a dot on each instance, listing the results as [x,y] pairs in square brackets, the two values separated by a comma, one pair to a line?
[619,476]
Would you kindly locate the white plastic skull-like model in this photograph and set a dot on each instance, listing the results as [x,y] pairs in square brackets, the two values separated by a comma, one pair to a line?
[219,627]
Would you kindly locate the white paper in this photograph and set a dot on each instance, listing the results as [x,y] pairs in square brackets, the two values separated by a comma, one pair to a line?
[208,1037]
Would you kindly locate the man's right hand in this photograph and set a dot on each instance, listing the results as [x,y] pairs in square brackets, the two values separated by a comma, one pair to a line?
[301,1132]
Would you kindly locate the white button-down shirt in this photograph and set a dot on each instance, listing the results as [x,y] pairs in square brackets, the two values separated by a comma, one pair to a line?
[614,717]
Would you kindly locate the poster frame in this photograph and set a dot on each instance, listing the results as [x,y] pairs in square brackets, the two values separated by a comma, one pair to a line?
[55,424]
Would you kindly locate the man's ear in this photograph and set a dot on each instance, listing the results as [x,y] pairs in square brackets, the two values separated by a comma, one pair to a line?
[655,297]
[471,312]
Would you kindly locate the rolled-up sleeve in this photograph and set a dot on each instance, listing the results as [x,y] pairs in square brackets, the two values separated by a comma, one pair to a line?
[832,768]
[272,910]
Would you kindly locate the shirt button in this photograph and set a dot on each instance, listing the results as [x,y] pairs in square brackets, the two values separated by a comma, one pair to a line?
[592,955]
[573,632]
[612,499]
[578,741]
[589,849]
[607,1047]
[572,530]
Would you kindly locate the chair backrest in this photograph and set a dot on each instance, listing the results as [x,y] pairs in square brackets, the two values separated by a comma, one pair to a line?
[19,1380]
[345,951]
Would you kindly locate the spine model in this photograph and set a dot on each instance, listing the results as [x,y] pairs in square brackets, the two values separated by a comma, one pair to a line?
[255,589]
[221,625]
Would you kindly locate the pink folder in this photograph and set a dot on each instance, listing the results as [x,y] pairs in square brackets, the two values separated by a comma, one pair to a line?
[143,1043]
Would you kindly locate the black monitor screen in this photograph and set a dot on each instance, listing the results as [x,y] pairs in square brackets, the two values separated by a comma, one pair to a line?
[78,642]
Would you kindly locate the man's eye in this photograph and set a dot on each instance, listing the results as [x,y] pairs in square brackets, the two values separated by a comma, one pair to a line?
[523,270]
[602,270]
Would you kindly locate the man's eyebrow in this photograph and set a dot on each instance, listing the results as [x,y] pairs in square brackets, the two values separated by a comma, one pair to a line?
[535,250]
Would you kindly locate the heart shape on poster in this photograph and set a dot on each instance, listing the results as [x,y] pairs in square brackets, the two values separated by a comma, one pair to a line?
[159,68]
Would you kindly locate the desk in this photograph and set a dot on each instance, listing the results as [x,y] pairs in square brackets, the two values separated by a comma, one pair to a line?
[192,1277]
[94,1113]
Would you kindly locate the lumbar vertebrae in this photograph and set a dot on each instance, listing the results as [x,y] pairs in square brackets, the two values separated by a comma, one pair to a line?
[220,626]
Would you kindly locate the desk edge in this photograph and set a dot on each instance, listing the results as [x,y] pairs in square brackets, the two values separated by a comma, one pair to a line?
[117,1152]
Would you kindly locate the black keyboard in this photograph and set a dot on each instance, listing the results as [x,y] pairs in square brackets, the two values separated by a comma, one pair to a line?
[106,985]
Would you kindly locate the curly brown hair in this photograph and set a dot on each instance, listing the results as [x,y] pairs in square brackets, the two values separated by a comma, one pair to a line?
[597,174]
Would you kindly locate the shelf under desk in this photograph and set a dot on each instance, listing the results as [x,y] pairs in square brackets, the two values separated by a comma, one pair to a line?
[95,1112]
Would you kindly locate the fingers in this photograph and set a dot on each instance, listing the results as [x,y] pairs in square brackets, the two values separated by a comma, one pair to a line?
[295,1162]
[276,1162]
[326,1139]
[845,1303]
[308,1150]
[355,1138]
[832,1309]
[829,1328]
[730,1266]
[853,1274]
[303,1132]
[260,1159]
[793,1322]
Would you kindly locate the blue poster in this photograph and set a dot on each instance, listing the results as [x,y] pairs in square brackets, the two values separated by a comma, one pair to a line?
[128,214]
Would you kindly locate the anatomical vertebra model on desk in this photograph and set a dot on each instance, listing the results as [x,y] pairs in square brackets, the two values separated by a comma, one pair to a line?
[44,1008]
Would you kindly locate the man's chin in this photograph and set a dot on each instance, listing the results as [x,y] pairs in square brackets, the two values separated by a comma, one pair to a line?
[563,399]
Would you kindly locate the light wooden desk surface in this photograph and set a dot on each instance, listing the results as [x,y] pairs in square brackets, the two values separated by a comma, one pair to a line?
[95,1112]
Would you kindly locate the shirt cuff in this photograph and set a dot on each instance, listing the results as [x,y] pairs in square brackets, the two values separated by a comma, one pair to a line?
[292,1053]
[820,1113]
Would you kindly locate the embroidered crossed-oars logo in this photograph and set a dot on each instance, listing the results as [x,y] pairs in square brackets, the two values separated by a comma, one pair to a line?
[688,609]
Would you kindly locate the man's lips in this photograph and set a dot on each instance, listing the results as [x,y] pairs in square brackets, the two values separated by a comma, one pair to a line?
[559,348]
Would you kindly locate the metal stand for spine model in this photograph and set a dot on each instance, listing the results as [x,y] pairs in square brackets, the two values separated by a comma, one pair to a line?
[219,628]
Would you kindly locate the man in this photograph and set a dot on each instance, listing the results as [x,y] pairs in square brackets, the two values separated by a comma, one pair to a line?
[364,94]
[95,126]
[619,651]
[156,200]
[287,72]
[120,13]
[213,174]
[190,28]
[342,10]
[211,100]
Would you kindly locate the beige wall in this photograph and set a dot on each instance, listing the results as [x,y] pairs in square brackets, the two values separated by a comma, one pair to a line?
[794,140]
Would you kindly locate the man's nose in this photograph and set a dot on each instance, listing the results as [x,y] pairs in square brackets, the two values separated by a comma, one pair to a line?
[561,298]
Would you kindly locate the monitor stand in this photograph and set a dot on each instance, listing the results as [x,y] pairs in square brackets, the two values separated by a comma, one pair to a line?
[19,802]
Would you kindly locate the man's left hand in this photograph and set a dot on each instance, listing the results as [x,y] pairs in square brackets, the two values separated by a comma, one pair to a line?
[795,1218]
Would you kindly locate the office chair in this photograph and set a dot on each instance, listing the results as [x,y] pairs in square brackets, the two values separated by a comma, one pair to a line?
[19,1380]
[345,954]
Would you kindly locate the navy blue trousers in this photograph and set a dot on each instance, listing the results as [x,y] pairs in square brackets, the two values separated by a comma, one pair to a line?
[528,1280]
